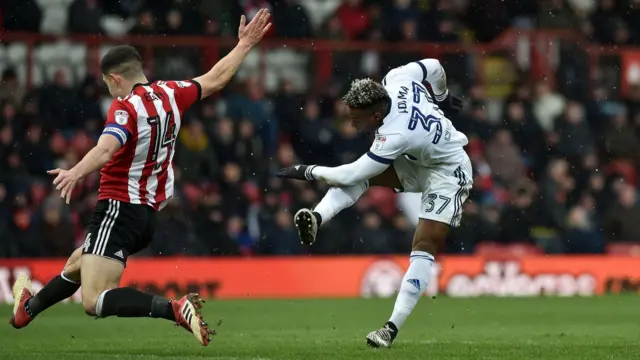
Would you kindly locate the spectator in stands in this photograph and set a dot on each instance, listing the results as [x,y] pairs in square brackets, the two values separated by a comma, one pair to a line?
[195,156]
[547,106]
[313,141]
[555,192]
[21,15]
[622,218]
[621,139]
[10,88]
[290,20]
[146,24]
[505,158]
[279,236]
[574,135]
[254,105]
[556,14]
[353,18]
[220,17]
[84,17]
[54,229]
[604,21]
[527,134]
[59,101]
[519,217]
[250,150]
[584,235]
[36,153]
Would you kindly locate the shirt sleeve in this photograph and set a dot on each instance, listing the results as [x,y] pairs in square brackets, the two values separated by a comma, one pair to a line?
[119,122]
[186,93]
[386,148]
[349,174]
[429,70]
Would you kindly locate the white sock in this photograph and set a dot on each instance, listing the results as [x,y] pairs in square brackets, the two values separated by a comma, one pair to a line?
[99,303]
[413,285]
[338,199]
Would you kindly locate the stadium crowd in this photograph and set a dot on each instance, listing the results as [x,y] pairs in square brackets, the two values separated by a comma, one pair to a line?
[556,166]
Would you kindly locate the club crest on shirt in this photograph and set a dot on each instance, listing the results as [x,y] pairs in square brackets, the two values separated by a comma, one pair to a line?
[183,84]
[378,143]
[121,116]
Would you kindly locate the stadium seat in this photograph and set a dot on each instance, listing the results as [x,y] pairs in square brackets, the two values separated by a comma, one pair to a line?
[116,26]
[492,249]
[523,249]
[489,248]
[17,52]
[623,249]
[55,16]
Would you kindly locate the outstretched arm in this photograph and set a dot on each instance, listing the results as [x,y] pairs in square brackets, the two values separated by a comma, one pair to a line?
[364,168]
[385,149]
[223,71]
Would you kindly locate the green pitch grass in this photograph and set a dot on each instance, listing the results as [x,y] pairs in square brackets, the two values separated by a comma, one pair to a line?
[445,328]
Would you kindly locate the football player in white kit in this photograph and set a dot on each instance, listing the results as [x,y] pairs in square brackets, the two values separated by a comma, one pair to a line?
[416,149]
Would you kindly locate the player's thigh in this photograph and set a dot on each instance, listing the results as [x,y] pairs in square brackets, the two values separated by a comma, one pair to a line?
[98,274]
[402,176]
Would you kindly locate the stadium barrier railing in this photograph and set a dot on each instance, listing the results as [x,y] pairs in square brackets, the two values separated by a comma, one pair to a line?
[356,276]
[537,53]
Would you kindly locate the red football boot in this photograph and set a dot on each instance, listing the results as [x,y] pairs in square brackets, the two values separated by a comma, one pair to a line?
[21,294]
[188,314]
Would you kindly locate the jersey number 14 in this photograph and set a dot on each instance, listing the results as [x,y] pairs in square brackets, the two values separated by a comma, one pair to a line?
[165,137]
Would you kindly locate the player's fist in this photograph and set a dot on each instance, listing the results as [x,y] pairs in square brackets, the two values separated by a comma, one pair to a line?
[451,105]
[298,172]
[251,33]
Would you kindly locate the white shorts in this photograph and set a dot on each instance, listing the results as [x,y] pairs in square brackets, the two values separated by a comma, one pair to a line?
[444,188]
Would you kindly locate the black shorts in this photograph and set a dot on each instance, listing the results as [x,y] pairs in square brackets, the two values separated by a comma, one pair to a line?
[119,229]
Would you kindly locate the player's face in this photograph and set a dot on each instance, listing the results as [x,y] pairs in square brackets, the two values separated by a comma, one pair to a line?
[364,120]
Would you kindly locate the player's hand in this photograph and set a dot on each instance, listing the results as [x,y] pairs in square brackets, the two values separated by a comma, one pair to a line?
[65,182]
[251,33]
[298,172]
[451,105]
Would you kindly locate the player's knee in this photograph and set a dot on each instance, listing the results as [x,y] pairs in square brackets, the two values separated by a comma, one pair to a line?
[71,269]
[430,236]
[89,304]
[426,244]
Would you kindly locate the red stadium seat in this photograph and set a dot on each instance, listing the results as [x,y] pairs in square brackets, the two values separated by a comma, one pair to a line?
[491,249]
[623,249]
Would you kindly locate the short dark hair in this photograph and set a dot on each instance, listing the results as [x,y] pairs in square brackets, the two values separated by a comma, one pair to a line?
[364,94]
[122,59]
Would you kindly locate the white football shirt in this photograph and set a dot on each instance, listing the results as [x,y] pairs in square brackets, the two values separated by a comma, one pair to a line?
[415,127]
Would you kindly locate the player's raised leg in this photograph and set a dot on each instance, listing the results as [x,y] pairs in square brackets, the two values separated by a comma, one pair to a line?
[308,221]
[27,305]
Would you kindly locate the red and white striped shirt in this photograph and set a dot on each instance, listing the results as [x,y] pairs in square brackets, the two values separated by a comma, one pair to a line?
[146,123]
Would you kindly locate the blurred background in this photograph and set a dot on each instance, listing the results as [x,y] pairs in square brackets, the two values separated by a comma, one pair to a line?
[552,113]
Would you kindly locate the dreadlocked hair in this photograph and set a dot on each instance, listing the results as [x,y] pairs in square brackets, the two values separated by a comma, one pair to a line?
[365,93]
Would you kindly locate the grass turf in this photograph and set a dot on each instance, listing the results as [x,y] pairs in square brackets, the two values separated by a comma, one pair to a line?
[445,328]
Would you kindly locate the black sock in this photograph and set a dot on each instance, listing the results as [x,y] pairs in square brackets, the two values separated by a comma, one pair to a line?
[55,291]
[318,218]
[129,302]
[394,328]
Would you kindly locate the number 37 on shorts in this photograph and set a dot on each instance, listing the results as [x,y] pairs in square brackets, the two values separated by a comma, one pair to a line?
[443,200]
